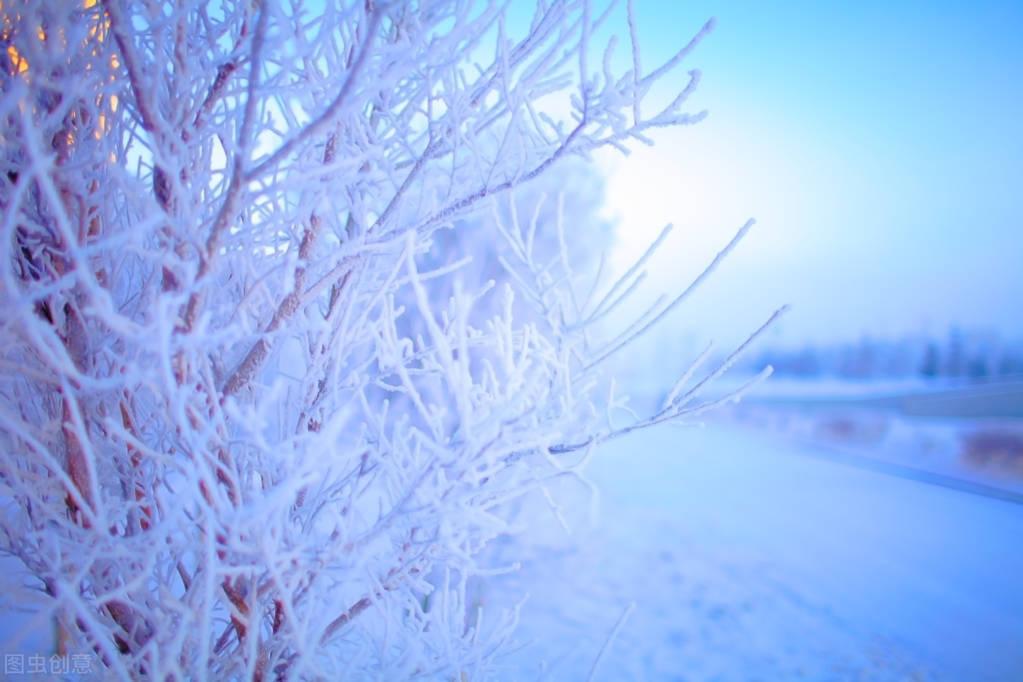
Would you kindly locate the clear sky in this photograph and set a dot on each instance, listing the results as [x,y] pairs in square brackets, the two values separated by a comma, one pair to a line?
[878,144]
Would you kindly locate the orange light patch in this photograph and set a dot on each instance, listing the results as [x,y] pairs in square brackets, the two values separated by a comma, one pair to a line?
[19,62]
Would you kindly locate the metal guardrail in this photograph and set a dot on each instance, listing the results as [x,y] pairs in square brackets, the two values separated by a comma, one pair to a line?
[833,453]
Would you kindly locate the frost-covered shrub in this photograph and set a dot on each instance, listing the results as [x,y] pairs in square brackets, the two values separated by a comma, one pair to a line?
[250,426]
[571,189]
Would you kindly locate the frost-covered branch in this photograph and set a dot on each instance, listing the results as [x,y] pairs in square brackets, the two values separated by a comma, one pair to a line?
[265,399]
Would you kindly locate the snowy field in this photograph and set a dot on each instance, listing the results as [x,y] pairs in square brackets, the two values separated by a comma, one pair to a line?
[756,548]
[752,558]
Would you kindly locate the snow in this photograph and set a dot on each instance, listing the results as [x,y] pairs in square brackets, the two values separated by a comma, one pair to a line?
[255,420]
[261,415]
[838,387]
[751,557]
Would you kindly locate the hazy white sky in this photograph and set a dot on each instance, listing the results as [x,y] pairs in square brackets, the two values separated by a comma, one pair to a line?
[879,146]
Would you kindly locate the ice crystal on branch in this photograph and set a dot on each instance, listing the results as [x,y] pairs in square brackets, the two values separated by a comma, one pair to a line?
[259,414]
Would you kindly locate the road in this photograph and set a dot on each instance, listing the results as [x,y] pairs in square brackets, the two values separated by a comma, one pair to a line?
[750,558]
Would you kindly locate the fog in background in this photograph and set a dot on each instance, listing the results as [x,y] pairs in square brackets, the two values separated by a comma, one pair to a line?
[856,516]
[877,145]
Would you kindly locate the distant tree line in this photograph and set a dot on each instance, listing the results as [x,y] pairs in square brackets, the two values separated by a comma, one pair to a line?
[959,354]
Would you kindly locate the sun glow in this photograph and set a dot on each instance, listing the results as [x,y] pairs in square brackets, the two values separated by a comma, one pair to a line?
[707,181]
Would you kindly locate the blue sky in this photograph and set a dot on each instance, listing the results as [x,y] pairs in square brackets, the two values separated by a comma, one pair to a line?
[879,145]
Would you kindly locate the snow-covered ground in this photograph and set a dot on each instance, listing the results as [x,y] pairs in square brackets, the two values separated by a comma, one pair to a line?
[747,559]
[750,556]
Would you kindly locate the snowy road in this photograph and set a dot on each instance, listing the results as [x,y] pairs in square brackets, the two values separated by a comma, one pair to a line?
[748,559]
